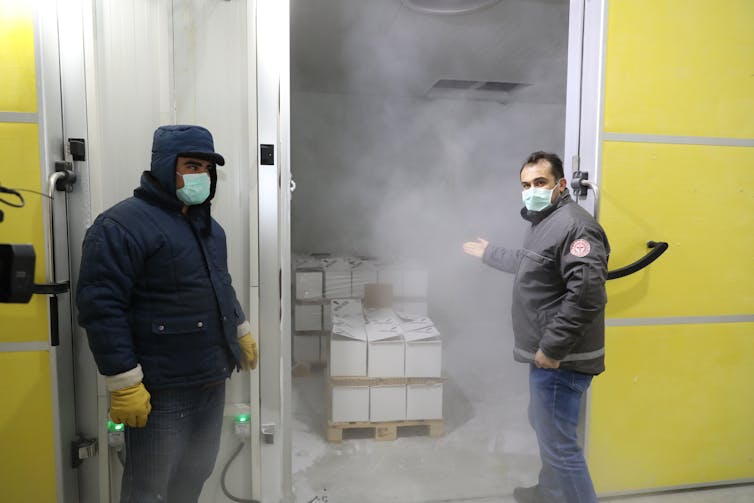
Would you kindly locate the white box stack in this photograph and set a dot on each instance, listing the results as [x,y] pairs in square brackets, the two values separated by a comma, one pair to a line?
[348,339]
[424,401]
[308,318]
[423,348]
[337,277]
[387,402]
[396,353]
[307,344]
[349,403]
[309,284]
[387,349]
[363,272]
[306,348]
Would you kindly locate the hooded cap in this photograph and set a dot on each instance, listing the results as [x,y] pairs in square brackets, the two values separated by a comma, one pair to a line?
[170,142]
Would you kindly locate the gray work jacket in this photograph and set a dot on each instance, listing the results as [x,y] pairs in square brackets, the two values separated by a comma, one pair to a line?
[559,291]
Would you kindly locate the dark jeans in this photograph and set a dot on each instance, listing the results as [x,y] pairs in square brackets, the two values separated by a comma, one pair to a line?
[173,455]
[555,403]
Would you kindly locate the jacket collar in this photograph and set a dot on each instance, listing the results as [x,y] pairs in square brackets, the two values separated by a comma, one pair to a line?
[537,216]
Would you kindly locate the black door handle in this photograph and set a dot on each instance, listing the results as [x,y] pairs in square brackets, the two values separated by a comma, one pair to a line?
[657,249]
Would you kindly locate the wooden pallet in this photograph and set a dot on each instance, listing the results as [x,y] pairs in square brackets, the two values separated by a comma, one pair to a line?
[309,369]
[383,430]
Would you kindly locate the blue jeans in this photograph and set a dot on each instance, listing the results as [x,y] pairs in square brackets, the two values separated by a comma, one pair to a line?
[173,455]
[554,407]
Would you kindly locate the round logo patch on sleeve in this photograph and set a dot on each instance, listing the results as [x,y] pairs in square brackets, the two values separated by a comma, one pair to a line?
[580,248]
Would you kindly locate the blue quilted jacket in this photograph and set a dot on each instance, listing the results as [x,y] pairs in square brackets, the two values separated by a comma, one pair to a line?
[154,287]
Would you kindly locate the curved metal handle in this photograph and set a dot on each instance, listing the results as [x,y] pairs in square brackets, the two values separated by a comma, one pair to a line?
[582,181]
[657,249]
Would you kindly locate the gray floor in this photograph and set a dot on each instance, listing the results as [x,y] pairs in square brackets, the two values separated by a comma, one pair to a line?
[487,450]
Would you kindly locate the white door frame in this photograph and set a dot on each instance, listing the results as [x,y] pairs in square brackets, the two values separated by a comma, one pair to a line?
[585,90]
[273,131]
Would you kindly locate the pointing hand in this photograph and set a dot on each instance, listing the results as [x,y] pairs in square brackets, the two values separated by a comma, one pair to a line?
[476,248]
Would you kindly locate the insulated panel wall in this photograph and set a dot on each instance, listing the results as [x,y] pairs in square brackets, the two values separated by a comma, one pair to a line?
[674,407]
[680,68]
[27,467]
[698,198]
[19,144]
[679,403]
[18,87]
[27,464]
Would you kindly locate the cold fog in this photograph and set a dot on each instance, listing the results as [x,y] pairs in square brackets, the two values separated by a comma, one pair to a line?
[383,170]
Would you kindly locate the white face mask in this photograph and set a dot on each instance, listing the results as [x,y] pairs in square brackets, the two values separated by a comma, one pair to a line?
[538,199]
[195,188]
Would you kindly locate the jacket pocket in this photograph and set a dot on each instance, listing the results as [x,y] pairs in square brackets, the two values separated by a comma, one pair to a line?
[175,325]
[536,257]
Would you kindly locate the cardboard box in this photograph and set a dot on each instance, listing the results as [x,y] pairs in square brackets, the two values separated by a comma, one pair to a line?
[424,401]
[387,403]
[307,317]
[423,348]
[378,296]
[387,350]
[309,285]
[349,403]
[306,348]
[348,346]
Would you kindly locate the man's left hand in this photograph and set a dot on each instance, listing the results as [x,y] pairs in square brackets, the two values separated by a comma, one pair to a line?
[543,361]
[249,350]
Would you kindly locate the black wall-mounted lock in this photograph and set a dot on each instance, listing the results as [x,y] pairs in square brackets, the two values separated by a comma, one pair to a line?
[267,154]
[77,146]
[579,189]
[16,272]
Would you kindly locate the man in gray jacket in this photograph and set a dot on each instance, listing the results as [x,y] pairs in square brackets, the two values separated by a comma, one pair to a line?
[558,318]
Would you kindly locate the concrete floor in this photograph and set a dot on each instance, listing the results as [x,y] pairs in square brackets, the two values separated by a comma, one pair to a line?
[488,448]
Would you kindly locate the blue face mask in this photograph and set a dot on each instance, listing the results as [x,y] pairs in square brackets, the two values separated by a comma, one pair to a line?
[195,188]
[538,199]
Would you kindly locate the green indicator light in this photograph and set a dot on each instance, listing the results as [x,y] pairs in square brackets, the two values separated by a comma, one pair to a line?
[113,426]
[243,418]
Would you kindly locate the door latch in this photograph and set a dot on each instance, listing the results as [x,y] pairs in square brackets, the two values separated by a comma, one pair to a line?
[82,449]
[268,433]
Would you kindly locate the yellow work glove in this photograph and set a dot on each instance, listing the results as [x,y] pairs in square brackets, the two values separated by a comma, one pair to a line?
[130,405]
[249,350]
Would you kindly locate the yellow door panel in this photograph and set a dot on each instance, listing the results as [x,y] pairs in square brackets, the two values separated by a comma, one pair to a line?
[19,144]
[673,408]
[675,67]
[17,67]
[700,199]
[27,465]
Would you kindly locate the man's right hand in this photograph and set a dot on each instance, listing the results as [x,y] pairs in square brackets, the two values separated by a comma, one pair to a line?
[476,248]
[130,405]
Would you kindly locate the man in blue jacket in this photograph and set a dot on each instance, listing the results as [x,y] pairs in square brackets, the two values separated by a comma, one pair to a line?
[162,319]
[558,315]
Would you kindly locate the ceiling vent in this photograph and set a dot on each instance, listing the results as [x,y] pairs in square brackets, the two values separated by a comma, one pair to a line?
[479,90]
